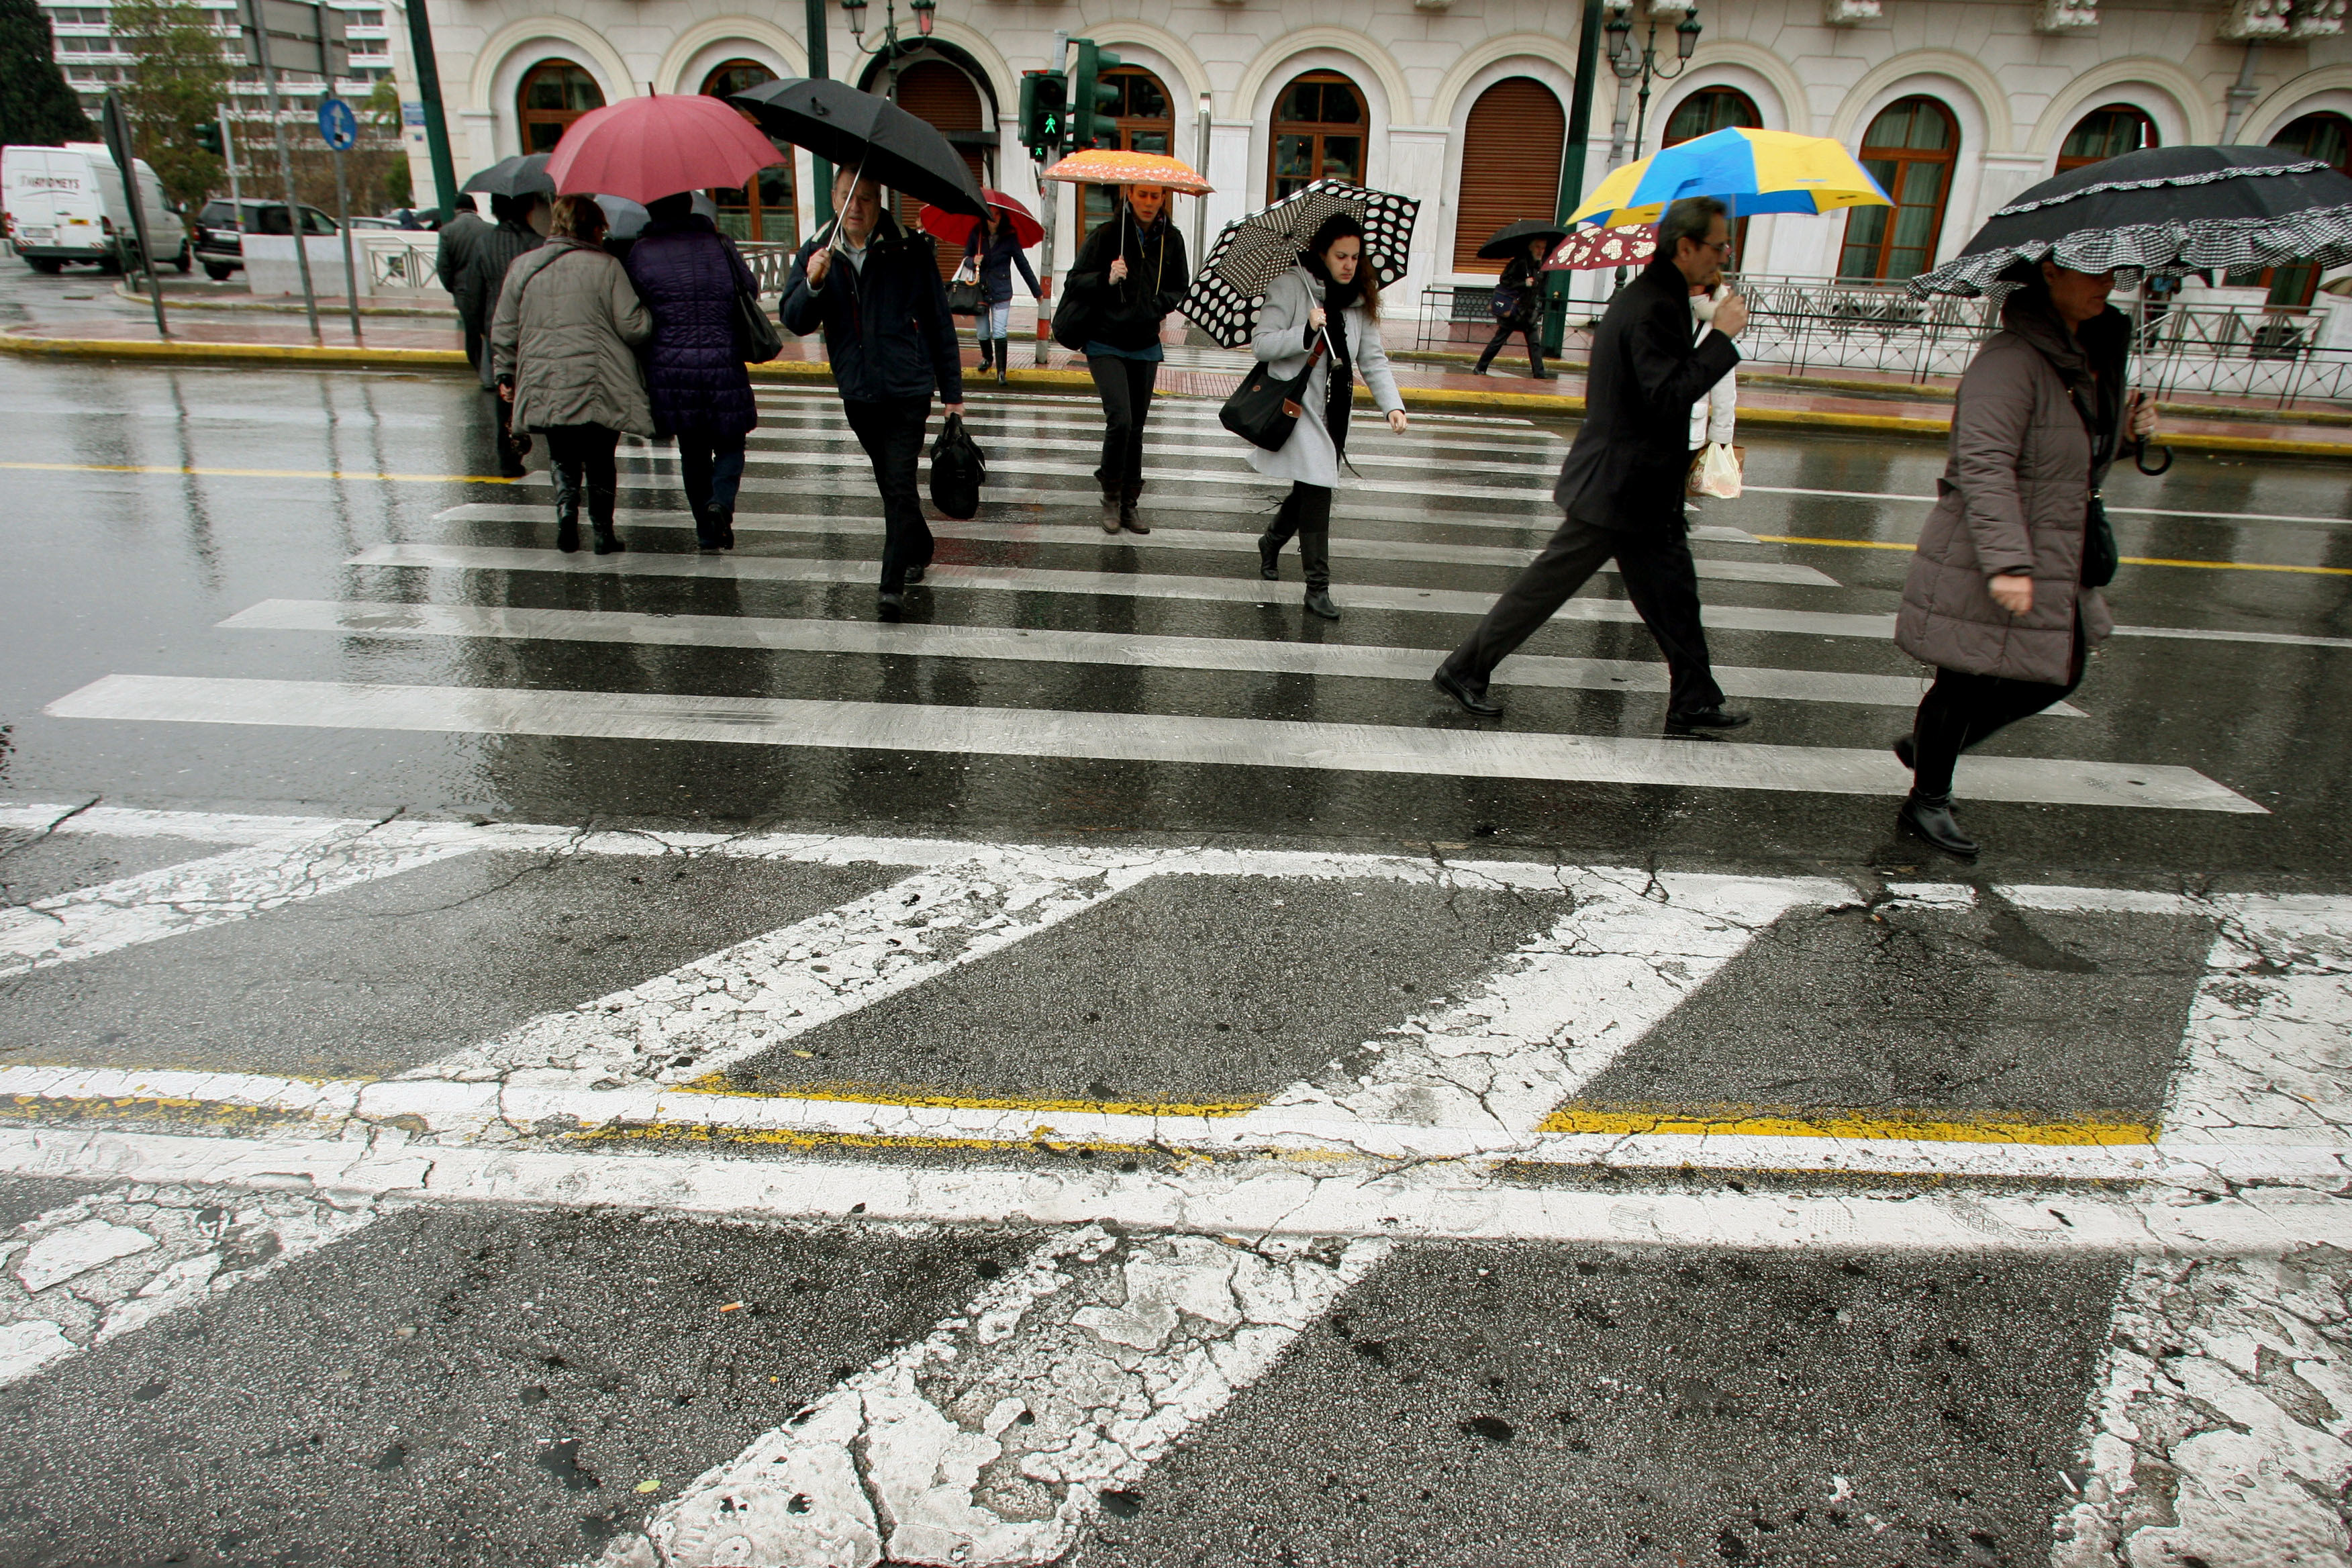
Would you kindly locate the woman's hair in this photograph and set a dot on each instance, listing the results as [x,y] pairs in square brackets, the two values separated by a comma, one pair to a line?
[1335,228]
[580,218]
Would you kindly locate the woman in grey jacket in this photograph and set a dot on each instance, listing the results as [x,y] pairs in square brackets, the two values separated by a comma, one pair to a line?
[563,346]
[1996,598]
[1332,286]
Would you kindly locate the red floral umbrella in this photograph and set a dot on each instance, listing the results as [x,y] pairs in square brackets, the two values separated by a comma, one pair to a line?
[646,148]
[1589,249]
[957,227]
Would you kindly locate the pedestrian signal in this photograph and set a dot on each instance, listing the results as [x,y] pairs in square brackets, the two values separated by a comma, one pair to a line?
[1044,111]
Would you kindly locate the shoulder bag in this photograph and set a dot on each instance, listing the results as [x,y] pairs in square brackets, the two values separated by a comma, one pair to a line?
[959,468]
[1263,411]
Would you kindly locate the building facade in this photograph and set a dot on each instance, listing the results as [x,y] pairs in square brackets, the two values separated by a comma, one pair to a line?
[1955,104]
[94,59]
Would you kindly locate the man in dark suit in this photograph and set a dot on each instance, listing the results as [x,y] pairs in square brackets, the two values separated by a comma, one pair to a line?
[1621,483]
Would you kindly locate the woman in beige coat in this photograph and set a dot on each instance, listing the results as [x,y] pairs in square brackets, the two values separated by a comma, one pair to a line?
[1996,599]
[564,347]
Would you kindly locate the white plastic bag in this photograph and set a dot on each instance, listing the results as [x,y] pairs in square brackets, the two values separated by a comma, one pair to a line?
[1718,472]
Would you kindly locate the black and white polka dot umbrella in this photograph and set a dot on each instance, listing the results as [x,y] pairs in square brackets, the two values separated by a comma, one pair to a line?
[1252,252]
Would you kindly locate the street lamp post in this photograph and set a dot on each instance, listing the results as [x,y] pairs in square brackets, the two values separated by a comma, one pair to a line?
[1630,64]
[891,47]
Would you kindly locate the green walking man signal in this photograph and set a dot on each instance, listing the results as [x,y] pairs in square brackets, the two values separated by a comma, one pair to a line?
[1090,95]
[1044,112]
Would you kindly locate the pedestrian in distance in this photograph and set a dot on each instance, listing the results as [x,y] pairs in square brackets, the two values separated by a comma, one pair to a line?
[520,226]
[873,290]
[2004,593]
[1322,317]
[993,250]
[564,343]
[1621,484]
[1715,418]
[690,276]
[1129,276]
[459,238]
[1522,282]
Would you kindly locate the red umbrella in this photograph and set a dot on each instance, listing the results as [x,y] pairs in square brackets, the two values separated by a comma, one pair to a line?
[644,148]
[957,227]
[1589,248]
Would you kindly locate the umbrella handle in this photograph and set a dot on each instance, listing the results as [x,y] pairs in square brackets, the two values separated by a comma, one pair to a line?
[2140,449]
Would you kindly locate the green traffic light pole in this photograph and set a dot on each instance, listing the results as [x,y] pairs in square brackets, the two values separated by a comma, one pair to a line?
[1571,164]
[436,123]
[818,67]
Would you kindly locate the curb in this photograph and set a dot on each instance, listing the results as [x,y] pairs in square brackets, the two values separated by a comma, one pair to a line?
[1449,399]
[263,307]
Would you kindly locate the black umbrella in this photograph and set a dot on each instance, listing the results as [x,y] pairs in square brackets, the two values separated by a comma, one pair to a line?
[2164,210]
[858,131]
[1511,240]
[519,176]
[1252,252]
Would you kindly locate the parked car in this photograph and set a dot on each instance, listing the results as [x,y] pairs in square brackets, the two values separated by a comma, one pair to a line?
[219,228]
[375,223]
[66,203]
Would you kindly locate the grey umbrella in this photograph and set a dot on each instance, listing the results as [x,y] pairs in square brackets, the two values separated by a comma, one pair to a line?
[524,175]
[855,130]
[1252,252]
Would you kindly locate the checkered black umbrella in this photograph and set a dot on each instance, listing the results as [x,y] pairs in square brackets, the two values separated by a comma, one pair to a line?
[1253,251]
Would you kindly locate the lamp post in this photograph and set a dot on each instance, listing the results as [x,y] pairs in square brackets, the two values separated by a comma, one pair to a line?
[1630,64]
[891,47]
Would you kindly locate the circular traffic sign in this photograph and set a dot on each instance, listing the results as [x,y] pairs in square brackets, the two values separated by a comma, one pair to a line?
[338,124]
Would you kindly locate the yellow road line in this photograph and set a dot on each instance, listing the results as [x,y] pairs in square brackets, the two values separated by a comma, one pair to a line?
[1778,1122]
[262,473]
[900,1097]
[2126,559]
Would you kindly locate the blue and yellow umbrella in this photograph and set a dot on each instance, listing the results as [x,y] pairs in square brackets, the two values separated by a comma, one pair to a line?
[1755,171]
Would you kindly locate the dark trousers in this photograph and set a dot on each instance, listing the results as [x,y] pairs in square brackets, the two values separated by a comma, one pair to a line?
[582,456]
[1962,709]
[476,346]
[1504,334]
[711,467]
[1660,579]
[1306,513]
[1126,386]
[891,431]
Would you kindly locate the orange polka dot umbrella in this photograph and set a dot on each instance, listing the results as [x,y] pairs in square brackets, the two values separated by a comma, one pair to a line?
[1109,166]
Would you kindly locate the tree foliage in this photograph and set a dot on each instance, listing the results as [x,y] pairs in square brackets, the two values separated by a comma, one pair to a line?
[36,108]
[178,81]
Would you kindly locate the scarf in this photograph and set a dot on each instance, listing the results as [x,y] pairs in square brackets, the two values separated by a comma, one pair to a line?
[1339,382]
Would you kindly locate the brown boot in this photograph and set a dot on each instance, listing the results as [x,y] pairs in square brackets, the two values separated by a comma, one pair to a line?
[1128,519]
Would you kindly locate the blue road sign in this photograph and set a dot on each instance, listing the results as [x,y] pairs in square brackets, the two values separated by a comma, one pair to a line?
[338,124]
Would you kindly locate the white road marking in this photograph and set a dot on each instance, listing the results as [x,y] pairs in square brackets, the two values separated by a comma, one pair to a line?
[1088,535]
[301,862]
[796,449]
[1144,738]
[1114,649]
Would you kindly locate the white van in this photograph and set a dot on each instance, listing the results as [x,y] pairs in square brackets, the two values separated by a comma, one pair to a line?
[65,203]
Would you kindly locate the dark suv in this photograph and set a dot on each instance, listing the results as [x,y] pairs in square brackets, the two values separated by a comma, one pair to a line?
[218,228]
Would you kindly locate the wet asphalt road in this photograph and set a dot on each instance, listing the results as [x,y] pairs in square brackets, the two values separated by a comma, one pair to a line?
[496,1338]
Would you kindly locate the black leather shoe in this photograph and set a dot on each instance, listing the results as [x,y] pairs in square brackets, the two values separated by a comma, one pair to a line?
[1718,718]
[607,541]
[892,603]
[1930,816]
[1906,753]
[1472,699]
[1269,560]
[1319,603]
[722,523]
[915,574]
[567,536]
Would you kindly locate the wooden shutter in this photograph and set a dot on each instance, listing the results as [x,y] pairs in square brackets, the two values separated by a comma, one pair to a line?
[937,92]
[1510,165]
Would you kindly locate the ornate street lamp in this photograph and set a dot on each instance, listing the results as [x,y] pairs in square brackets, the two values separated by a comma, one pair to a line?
[891,46]
[1629,64]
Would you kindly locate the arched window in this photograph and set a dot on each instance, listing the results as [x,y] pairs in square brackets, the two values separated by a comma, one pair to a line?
[2105,133]
[1908,149]
[1705,113]
[1146,124]
[1319,126]
[761,208]
[2327,137]
[938,90]
[554,94]
[1510,165]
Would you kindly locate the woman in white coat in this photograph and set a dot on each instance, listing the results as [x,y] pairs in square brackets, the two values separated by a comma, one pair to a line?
[1330,287]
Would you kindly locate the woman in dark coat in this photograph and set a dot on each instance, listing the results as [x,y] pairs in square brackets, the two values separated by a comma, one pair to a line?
[1524,275]
[995,250]
[1129,273]
[1996,599]
[688,275]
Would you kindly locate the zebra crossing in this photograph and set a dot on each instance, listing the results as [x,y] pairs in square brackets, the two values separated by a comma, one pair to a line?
[1033,581]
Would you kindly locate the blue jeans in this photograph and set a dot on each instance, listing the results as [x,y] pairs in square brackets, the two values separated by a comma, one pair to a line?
[712,468]
[996,321]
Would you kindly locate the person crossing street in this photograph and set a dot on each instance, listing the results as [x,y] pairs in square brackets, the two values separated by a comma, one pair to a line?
[993,250]
[1128,275]
[1621,485]
[874,290]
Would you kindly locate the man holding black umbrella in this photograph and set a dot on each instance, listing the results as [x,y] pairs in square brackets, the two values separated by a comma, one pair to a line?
[875,290]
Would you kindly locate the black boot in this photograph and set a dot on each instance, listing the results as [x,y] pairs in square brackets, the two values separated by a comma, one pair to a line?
[567,518]
[985,344]
[601,502]
[1930,816]
[1269,557]
[1315,556]
[1004,358]
[1128,519]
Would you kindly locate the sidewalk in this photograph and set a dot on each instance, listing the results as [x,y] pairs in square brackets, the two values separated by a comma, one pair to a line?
[1770,399]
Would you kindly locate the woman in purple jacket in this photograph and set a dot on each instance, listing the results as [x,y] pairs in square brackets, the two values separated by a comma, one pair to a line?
[688,274]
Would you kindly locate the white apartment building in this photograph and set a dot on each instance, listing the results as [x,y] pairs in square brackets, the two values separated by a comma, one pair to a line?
[93,59]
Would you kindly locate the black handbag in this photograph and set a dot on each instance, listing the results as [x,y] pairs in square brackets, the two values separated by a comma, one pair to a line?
[964,298]
[1263,411]
[1504,305]
[2100,557]
[959,468]
[757,341]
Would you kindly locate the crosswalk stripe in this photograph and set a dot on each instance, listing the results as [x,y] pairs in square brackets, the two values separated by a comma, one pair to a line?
[1090,535]
[1083,406]
[1206,444]
[1252,590]
[1120,649]
[1120,737]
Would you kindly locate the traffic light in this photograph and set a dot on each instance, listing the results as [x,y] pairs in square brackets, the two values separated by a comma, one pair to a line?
[1090,95]
[1044,111]
[207,133]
